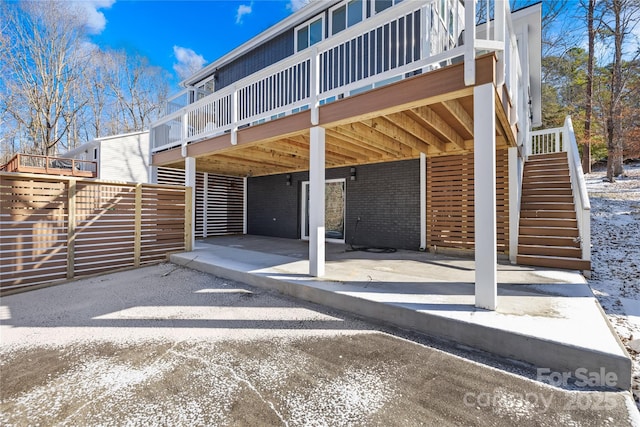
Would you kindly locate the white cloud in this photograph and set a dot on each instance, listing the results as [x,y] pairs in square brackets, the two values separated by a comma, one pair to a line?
[188,61]
[295,5]
[243,10]
[95,22]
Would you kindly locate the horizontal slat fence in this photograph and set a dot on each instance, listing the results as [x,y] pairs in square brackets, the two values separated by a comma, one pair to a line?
[56,228]
[450,202]
[219,201]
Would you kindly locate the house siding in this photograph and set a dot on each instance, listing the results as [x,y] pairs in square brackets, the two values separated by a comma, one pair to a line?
[384,196]
[125,158]
[283,46]
[262,56]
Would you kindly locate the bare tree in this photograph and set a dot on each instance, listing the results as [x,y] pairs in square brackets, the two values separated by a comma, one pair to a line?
[624,17]
[138,89]
[43,62]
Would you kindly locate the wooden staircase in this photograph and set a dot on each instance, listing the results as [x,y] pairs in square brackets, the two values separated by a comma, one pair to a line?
[548,227]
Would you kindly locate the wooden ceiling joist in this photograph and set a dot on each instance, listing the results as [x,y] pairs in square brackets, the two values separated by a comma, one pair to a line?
[430,118]
[402,127]
[460,114]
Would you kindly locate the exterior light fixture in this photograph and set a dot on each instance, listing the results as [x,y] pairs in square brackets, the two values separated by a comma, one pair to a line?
[288,179]
[352,173]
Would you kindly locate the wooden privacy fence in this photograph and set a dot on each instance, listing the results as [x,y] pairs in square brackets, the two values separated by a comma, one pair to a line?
[58,228]
[450,202]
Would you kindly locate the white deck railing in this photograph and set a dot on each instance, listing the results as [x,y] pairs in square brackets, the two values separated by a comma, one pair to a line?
[564,140]
[408,38]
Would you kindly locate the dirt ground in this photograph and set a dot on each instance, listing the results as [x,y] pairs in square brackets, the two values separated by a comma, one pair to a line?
[170,346]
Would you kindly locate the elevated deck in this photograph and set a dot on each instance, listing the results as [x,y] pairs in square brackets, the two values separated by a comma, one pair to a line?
[49,165]
[431,113]
[391,87]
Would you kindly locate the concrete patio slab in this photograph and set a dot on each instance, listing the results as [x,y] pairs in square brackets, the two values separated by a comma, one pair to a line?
[165,345]
[545,317]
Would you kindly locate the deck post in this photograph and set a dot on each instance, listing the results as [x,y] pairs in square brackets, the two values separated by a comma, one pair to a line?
[423,202]
[484,141]
[190,181]
[514,203]
[316,201]
[244,205]
[470,42]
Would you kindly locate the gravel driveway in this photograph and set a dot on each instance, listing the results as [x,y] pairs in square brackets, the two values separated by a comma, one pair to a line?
[169,346]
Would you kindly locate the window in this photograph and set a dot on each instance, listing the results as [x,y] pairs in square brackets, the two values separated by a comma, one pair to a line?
[309,33]
[346,14]
[205,88]
[380,5]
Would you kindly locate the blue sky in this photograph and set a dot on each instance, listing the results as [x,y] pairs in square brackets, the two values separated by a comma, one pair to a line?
[181,35]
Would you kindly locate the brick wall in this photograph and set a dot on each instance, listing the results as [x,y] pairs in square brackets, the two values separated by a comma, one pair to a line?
[384,196]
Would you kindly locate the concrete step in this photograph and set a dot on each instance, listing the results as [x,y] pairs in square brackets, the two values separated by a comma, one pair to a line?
[554,251]
[549,241]
[554,262]
[548,231]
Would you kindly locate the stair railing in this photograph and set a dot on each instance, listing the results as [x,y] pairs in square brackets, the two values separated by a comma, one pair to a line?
[579,186]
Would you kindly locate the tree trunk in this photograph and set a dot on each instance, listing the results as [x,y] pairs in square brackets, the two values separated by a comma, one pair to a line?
[614,126]
[586,151]
[611,176]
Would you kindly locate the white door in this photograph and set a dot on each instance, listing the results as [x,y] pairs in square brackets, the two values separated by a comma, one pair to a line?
[335,192]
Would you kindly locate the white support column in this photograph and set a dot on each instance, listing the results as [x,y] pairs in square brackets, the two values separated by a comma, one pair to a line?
[190,181]
[469,42]
[500,10]
[423,202]
[205,204]
[315,86]
[484,127]
[514,203]
[244,205]
[316,201]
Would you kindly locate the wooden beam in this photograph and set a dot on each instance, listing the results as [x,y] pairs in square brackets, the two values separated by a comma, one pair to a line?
[335,155]
[430,118]
[365,132]
[258,160]
[504,125]
[460,114]
[346,144]
[406,129]
[227,167]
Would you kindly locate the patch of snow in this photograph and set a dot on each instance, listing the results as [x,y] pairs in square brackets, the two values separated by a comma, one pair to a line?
[346,400]
[615,255]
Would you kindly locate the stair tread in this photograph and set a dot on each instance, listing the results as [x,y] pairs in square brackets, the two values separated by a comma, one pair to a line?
[554,262]
[545,246]
[549,222]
